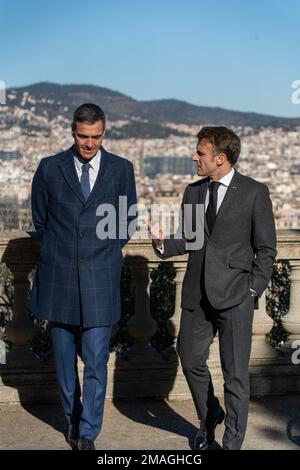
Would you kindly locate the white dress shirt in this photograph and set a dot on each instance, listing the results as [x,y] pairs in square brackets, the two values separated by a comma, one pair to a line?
[94,168]
[225,182]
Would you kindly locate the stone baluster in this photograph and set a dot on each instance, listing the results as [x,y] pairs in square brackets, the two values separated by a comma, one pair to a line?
[262,324]
[142,325]
[174,322]
[291,321]
[20,258]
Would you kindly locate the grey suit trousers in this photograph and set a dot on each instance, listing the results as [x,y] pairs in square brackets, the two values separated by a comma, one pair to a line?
[234,326]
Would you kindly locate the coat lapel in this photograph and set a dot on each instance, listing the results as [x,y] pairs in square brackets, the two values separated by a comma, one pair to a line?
[231,195]
[68,169]
[203,188]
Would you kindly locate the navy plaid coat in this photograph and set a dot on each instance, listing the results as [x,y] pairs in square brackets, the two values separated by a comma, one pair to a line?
[77,279]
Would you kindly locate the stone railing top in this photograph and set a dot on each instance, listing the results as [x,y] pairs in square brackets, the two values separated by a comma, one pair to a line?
[14,248]
[143,249]
[288,244]
[18,249]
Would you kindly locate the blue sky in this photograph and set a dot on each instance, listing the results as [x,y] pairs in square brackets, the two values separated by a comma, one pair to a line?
[241,55]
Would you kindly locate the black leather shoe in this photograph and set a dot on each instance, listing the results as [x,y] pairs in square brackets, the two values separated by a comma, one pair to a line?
[73,435]
[85,444]
[206,436]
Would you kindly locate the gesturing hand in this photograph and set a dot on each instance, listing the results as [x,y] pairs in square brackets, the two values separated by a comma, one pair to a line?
[157,234]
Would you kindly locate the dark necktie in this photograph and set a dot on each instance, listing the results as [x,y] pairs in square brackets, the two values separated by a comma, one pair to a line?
[211,211]
[85,180]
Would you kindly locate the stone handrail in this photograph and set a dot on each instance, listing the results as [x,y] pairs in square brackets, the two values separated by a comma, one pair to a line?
[19,251]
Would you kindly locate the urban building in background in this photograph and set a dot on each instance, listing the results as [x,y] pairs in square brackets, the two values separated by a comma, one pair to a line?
[33,126]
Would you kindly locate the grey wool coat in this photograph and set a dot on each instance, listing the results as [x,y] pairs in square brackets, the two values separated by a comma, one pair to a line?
[238,254]
[77,279]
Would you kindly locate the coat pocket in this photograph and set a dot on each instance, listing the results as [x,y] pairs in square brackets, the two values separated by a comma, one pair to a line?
[242,264]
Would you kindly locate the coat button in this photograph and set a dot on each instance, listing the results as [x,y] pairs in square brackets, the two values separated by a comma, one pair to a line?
[81,235]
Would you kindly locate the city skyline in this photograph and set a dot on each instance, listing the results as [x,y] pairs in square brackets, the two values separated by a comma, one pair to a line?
[228,55]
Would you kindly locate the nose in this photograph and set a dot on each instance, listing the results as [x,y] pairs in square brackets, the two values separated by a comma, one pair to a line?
[195,157]
[89,142]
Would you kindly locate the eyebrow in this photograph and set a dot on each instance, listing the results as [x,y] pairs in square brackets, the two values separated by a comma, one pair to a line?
[87,136]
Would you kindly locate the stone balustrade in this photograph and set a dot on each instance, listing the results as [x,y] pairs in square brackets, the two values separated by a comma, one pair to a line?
[142,372]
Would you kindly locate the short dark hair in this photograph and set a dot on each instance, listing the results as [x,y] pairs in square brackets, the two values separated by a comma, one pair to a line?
[223,139]
[88,112]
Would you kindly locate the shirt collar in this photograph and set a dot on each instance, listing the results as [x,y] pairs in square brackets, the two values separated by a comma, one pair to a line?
[95,162]
[226,180]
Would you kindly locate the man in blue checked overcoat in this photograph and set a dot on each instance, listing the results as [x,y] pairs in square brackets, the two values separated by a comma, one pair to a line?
[84,212]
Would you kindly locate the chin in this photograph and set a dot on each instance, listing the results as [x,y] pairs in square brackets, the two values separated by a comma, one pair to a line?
[88,155]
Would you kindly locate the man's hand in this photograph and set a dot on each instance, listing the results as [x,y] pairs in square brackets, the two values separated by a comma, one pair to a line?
[157,234]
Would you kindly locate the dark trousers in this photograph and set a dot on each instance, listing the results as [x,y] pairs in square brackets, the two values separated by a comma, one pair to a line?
[94,342]
[234,326]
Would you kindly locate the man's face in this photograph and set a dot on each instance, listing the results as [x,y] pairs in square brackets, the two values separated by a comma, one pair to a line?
[88,138]
[206,158]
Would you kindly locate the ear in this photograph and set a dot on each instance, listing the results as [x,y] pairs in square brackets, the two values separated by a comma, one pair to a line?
[221,158]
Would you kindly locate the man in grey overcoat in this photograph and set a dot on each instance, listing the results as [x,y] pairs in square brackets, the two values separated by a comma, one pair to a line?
[81,201]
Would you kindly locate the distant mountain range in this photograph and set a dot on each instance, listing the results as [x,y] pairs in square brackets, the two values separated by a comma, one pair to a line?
[146,118]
